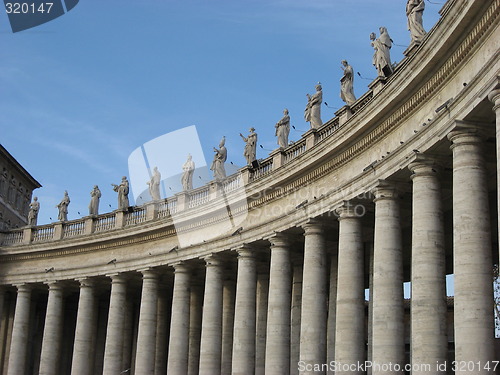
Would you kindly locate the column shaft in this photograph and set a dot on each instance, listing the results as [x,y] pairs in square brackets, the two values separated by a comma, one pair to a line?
[388,313]
[472,263]
[113,350]
[332,312]
[229,296]
[429,343]
[350,323]
[19,342]
[195,317]
[83,363]
[295,317]
[178,347]
[245,314]
[52,332]
[279,308]
[162,327]
[261,327]
[211,326]
[146,335]
[313,319]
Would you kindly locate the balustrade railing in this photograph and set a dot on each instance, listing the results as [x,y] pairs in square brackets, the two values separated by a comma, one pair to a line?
[13,237]
[297,149]
[265,167]
[136,217]
[43,233]
[232,183]
[105,222]
[199,197]
[167,207]
[75,228]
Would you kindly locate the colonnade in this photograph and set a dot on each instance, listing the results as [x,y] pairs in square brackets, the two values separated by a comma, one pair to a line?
[283,304]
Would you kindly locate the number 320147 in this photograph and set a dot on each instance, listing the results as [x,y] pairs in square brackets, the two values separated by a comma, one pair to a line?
[24,8]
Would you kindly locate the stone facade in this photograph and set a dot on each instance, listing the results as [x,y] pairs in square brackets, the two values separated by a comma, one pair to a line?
[16,188]
[400,187]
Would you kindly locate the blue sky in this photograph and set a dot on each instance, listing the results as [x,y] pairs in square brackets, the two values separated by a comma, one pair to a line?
[81,93]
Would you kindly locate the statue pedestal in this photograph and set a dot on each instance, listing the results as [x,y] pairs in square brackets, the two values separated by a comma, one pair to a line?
[278,158]
[214,189]
[89,224]
[152,210]
[58,230]
[411,49]
[344,114]
[182,200]
[119,219]
[377,85]
[311,137]
[27,235]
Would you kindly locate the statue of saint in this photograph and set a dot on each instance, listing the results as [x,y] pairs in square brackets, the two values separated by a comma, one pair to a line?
[347,84]
[283,129]
[187,175]
[122,191]
[95,195]
[63,207]
[219,159]
[33,212]
[414,12]
[154,185]
[250,152]
[312,112]
[382,54]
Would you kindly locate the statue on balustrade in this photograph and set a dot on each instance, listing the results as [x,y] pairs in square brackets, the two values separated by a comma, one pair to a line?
[33,212]
[154,185]
[187,175]
[382,52]
[283,129]
[122,190]
[220,158]
[347,84]
[414,12]
[250,152]
[63,207]
[95,195]
[312,113]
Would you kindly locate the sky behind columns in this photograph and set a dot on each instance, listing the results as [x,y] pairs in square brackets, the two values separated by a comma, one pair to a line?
[79,94]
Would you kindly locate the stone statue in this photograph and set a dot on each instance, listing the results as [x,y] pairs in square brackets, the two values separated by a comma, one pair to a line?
[63,207]
[312,112]
[382,54]
[33,212]
[122,191]
[187,175]
[250,152]
[94,201]
[283,129]
[347,84]
[154,185]
[414,12]
[219,159]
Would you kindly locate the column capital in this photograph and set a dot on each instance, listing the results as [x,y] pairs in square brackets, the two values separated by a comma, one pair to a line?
[494,95]
[465,134]
[312,226]
[385,190]
[23,288]
[181,267]
[212,260]
[347,211]
[54,285]
[117,278]
[86,282]
[279,239]
[424,166]
[149,273]
[245,251]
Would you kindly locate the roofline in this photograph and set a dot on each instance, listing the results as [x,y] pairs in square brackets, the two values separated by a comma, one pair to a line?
[19,167]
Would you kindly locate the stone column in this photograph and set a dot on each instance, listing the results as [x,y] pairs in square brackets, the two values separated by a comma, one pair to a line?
[279,307]
[369,351]
[162,326]
[350,317]
[20,329]
[245,314]
[261,327]
[472,263]
[83,362]
[211,326]
[113,349]
[332,312]
[146,334]
[388,313]
[313,319]
[429,343]
[178,347]
[295,317]
[229,296]
[195,317]
[52,331]
[494,97]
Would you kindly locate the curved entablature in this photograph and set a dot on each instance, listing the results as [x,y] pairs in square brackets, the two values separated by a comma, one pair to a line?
[346,157]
